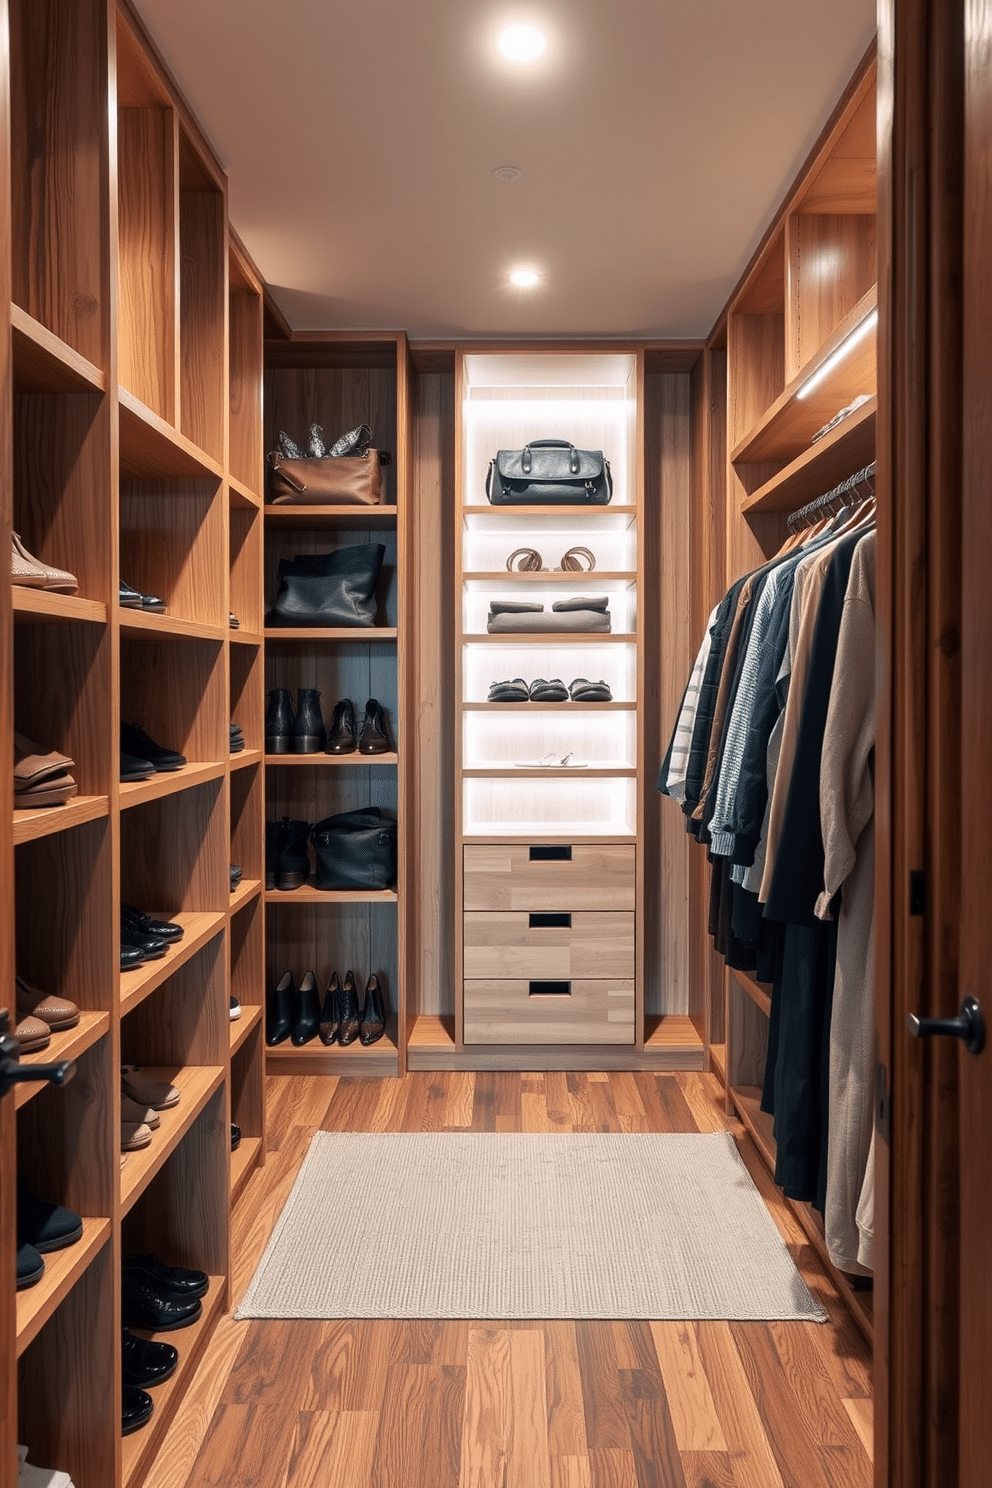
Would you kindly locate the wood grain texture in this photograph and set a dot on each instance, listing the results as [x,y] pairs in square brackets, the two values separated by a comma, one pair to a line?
[148,231]
[203,317]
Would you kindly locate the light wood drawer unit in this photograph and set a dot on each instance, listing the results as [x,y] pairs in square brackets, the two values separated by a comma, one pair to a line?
[547,876]
[588,1012]
[549,944]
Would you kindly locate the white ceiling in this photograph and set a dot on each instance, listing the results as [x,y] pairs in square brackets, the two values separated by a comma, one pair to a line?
[360,136]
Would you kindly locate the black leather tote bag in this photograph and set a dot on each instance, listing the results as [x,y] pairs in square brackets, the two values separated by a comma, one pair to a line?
[329,588]
[356,850]
[549,472]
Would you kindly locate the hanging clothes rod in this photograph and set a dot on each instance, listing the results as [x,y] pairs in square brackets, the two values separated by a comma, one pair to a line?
[812,510]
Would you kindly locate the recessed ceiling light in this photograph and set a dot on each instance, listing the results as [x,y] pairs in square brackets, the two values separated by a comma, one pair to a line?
[508,173]
[524,278]
[522,43]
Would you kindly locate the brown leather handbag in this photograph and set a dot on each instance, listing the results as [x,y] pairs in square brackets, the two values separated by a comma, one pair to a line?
[344,480]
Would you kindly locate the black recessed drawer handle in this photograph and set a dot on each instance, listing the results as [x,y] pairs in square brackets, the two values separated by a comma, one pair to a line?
[550,852]
[550,989]
[550,921]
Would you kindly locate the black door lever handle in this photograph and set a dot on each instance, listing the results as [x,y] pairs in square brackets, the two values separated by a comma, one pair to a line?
[12,1072]
[969,1025]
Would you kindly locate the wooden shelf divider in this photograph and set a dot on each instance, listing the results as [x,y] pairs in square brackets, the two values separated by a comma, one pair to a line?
[67,1045]
[140,983]
[63,1268]
[197,1084]
[45,821]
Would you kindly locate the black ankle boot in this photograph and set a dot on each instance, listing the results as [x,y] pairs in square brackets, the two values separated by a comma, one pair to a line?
[348,1027]
[341,736]
[280,725]
[307,1016]
[294,863]
[311,735]
[330,1017]
[373,1024]
[374,737]
[275,841]
[280,1006]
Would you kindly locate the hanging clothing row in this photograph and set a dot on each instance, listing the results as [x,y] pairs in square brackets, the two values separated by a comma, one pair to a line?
[772,762]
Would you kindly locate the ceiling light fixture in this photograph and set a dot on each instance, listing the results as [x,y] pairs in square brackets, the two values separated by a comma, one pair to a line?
[524,278]
[522,43]
[508,173]
[844,349]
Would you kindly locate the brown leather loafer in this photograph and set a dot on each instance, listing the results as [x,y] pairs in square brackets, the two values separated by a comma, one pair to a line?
[58,1012]
[32,1034]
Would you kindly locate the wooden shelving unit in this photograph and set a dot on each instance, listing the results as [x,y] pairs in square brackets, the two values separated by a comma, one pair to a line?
[339,381]
[131,447]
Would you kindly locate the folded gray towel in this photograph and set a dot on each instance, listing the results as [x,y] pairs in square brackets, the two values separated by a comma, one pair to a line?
[550,620]
[583,602]
[514,607]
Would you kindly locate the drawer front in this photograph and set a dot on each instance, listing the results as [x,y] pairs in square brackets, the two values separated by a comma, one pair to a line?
[508,1012]
[510,878]
[588,946]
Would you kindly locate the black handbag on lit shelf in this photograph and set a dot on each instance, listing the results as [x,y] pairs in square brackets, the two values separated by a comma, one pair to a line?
[549,472]
[356,850]
[329,589]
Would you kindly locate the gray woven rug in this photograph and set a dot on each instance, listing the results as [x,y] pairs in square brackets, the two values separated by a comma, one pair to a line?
[507,1225]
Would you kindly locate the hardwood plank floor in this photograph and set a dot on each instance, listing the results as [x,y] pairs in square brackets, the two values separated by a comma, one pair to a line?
[396,1404]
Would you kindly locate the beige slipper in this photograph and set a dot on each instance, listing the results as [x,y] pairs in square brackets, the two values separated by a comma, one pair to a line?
[134,1135]
[140,1115]
[57,580]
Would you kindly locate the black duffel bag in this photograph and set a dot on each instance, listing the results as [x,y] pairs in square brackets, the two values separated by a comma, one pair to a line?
[549,472]
[356,850]
[328,588]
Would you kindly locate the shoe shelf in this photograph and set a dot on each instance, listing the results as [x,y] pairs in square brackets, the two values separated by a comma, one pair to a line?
[331,761]
[67,1045]
[44,363]
[242,496]
[359,634]
[351,518]
[378,1060]
[138,1449]
[556,772]
[246,758]
[153,450]
[847,448]
[550,576]
[47,820]
[242,637]
[551,638]
[37,605]
[63,1268]
[196,1084]
[200,929]
[568,707]
[310,894]
[170,782]
[136,625]
[565,517]
[248,889]
[243,1162]
[242,1027]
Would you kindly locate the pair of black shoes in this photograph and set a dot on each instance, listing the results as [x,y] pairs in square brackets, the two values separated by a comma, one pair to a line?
[156,1298]
[141,757]
[304,731]
[41,1227]
[296,1012]
[237,738]
[144,938]
[133,599]
[144,1364]
[287,861]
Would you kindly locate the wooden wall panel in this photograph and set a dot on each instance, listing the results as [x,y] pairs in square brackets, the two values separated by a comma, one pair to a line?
[147,307]
[832,265]
[203,318]
[244,387]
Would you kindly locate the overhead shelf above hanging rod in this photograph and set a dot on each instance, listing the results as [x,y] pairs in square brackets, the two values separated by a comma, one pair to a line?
[847,488]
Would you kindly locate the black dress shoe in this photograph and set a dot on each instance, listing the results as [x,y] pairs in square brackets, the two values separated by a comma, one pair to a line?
[133,768]
[374,738]
[310,736]
[136,1409]
[45,1226]
[373,1023]
[129,598]
[280,722]
[341,734]
[135,741]
[30,1266]
[349,1025]
[150,946]
[235,1136]
[145,1363]
[307,1017]
[131,956]
[293,867]
[145,1305]
[236,876]
[175,1282]
[280,1006]
[145,925]
[330,1016]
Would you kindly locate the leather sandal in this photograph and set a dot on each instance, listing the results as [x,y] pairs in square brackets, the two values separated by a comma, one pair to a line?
[584,691]
[543,691]
[514,691]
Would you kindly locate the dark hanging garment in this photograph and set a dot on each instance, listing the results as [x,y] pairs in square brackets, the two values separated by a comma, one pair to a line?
[699,748]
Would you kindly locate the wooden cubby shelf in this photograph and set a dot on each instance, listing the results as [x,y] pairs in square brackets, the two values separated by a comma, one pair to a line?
[310,894]
[242,637]
[34,606]
[242,496]
[569,707]
[330,761]
[196,1084]
[759,993]
[846,449]
[152,449]
[200,929]
[138,1449]
[354,518]
[67,1045]
[359,634]
[43,363]
[245,758]
[63,1268]
[242,1027]
[137,625]
[47,820]
[248,889]
[378,1060]
[244,1160]
[169,783]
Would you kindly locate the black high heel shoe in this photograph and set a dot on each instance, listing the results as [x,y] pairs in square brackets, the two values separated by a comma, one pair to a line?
[373,1024]
[307,1019]
[330,1017]
[349,1024]
[280,1005]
